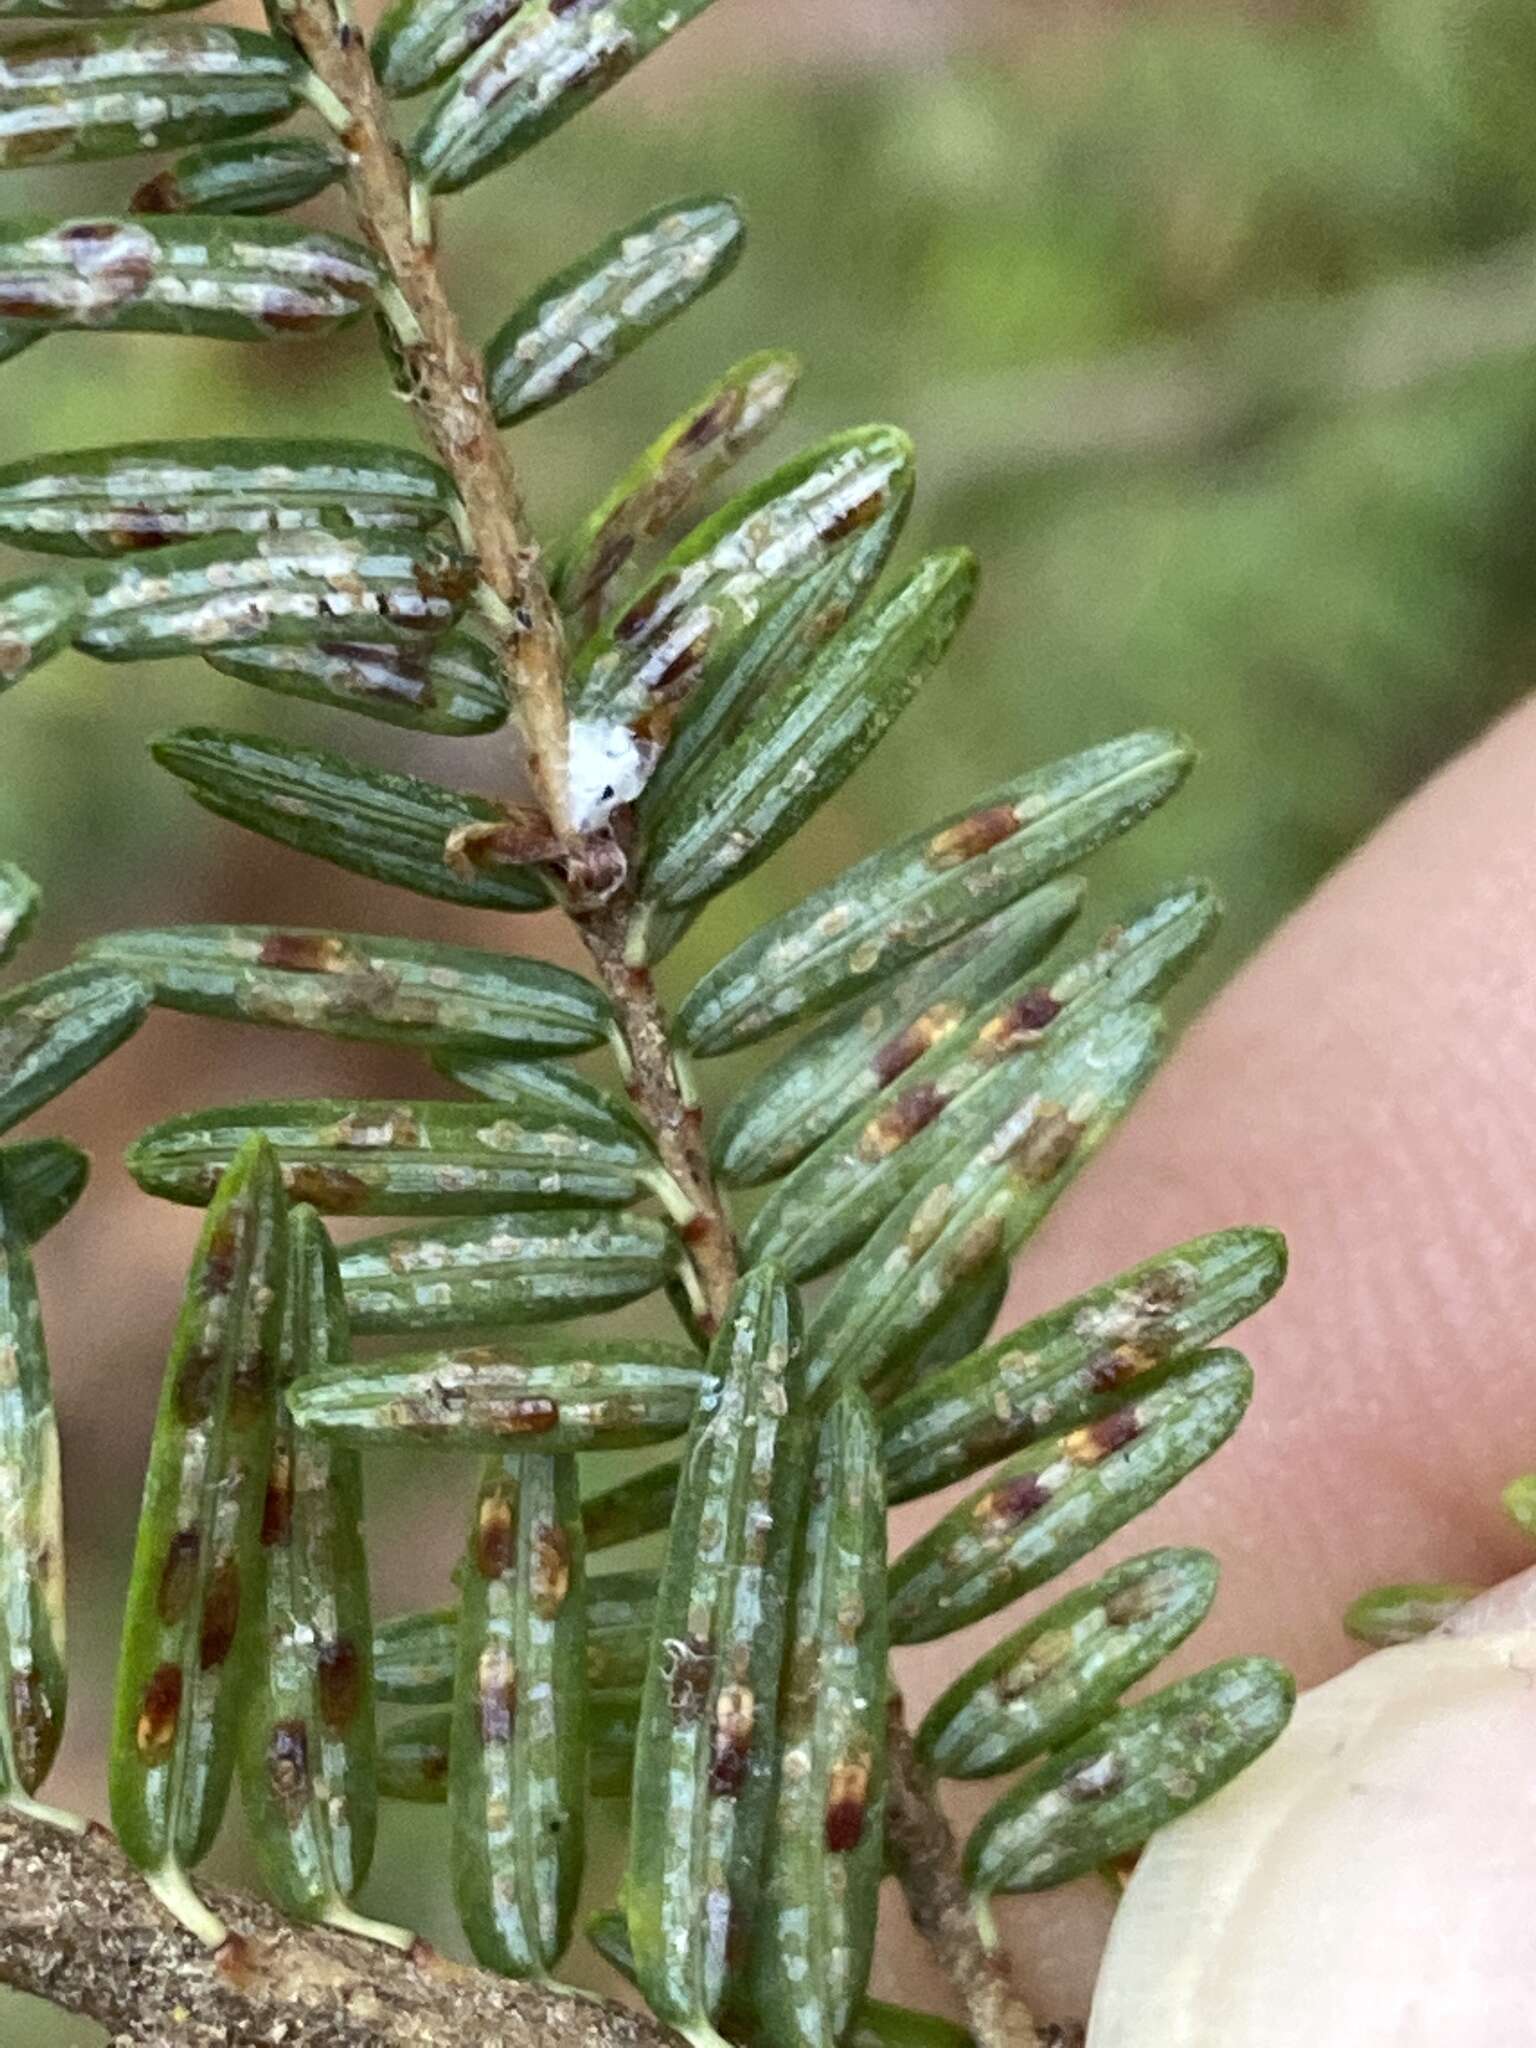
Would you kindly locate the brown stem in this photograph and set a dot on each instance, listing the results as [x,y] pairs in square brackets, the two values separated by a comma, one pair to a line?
[927,1863]
[927,1858]
[444,379]
[659,1094]
[79,1928]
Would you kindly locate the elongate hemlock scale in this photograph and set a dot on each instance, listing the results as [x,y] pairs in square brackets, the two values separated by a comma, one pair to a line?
[1046,1508]
[31,1516]
[773,1122]
[907,900]
[1053,1678]
[1075,1363]
[766,636]
[308,585]
[669,479]
[451,683]
[196,274]
[399,1158]
[1130,1775]
[1017,1150]
[353,985]
[589,317]
[716,581]
[197,1555]
[704,1759]
[121,500]
[815,1931]
[85,92]
[562,1394]
[419,43]
[307,1729]
[54,1030]
[834,1199]
[517,1753]
[808,737]
[497,1272]
[549,61]
[395,828]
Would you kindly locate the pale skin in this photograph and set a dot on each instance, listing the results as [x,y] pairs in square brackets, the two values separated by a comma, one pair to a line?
[1368,1085]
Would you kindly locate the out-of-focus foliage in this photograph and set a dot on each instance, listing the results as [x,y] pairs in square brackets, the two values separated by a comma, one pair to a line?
[1245,510]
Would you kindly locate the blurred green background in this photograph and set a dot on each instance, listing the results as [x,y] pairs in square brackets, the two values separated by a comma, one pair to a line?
[1215,332]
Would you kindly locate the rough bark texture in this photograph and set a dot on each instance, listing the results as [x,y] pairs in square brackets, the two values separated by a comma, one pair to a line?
[657,1091]
[79,1928]
[927,1863]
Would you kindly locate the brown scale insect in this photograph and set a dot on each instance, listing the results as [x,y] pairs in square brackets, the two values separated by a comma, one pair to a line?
[327,1188]
[288,1767]
[710,424]
[223,1257]
[1022,1021]
[495,1537]
[679,671]
[854,518]
[1046,1146]
[195,1383]
[339,1672]
[277,1506]
[847,1807]
[973,836]
[221,1615]
[305,953]
[1113,1368]
[1096,1440]
[178,1581]
[1012,1502]
[648,606]
[730,1761]
[908,1046]
[549,1571]
[902,1119]
[159,1713]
